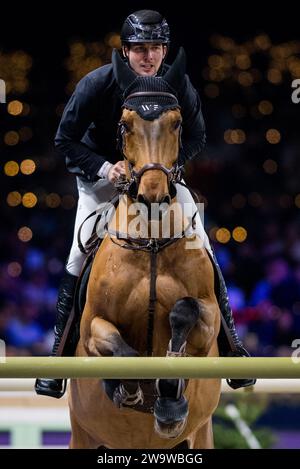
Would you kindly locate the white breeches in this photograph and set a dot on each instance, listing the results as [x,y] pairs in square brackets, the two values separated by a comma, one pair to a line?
[92,195]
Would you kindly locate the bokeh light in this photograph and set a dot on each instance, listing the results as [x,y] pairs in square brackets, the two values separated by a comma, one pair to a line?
[297,200]
[273,136]
[223,235]
[243,61]
[14,269]
[239,234]
[234,136]
[27,167]
[262,41]
[212,233]
[270,166]
[274,76]
[53,200]
[265,107]
[11,168]
[29,200]
[11,138]
[245,79]
[113,40]
[25,234]
[14,199]
[15,108]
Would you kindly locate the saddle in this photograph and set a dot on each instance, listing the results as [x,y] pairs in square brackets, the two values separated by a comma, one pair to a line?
[71,332]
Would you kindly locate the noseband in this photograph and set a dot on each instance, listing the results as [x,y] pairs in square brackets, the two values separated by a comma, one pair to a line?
[173,174]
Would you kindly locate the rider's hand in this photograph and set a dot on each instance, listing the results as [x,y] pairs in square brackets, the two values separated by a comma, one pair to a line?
[116,171]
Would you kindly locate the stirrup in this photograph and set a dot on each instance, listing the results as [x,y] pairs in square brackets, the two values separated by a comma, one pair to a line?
[50,387]
[236,383]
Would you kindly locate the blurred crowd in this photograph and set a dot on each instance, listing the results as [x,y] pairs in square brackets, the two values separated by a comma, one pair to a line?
[263,283]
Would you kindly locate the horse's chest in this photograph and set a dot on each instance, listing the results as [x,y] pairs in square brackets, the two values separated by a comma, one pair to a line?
[135,293]
[126,284]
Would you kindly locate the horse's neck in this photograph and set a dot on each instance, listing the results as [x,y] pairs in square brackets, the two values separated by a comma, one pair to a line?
[131,223]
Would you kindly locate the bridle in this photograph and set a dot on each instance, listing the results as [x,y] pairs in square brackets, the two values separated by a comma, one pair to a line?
[174,174]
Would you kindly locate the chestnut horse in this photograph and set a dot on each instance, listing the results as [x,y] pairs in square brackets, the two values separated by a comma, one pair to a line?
[146,295]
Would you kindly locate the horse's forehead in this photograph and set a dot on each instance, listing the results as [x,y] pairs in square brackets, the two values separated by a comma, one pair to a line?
[134,117]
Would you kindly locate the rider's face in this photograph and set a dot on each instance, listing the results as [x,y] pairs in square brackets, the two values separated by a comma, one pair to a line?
[146,58]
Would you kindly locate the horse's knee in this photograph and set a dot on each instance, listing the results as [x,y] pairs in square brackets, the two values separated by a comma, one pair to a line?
[121,348]
[106,344]
[183,317]
[185,313]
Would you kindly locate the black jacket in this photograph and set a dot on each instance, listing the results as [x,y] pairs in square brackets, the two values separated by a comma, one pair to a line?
[87,132]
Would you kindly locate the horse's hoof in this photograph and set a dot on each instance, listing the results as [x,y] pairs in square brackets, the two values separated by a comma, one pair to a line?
[170,430]
[171,416]
[168,410]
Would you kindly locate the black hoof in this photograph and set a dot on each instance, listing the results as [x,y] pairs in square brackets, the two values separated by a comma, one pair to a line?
[241,383]
[167,410]
[50,387]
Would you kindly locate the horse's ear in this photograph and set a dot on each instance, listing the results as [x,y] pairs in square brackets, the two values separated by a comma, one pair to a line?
[123,74]
[175,74]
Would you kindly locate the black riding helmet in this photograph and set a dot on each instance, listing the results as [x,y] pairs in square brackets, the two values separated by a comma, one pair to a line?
[145,26]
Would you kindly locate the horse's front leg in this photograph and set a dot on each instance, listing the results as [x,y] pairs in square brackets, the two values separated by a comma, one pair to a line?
[105,340]
[171,407]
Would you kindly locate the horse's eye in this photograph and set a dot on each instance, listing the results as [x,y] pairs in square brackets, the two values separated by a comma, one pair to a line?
[177,124]
[125,127]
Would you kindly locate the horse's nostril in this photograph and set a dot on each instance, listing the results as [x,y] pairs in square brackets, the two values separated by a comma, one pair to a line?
[166,200]
[145,204]
[141,199]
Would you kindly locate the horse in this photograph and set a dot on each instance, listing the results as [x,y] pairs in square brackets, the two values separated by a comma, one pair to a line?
[147,295]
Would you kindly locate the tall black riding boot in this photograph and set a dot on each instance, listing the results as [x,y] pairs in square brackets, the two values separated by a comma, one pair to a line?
[56,387]
[224,347]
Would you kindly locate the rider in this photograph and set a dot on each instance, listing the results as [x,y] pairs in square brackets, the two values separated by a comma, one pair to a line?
[86,137]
